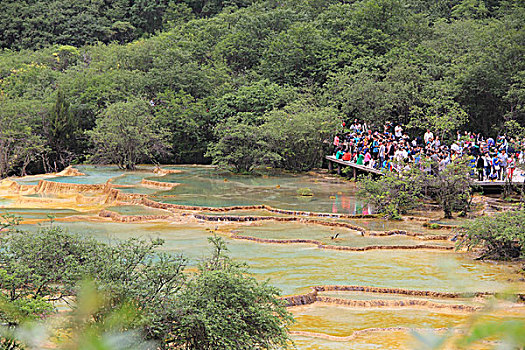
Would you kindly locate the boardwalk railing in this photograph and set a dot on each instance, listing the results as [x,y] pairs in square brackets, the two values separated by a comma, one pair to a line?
[338,164]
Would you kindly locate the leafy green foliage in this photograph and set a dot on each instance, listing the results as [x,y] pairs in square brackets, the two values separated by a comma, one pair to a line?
[126,133]
[440,114]
[296,134]
[394,193]
[501,237]
[83,324]
[40,267]
[19,143]
[30,24]
[444,64]
[135,287]
[397,192]
[510,331]
[452,187]
[291,138]
[62,128]
[240,146]
[223,308]
[187,122]
[305,192]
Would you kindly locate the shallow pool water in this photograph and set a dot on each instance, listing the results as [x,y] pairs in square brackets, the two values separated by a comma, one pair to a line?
[295,268]
[384,296]
[327,235]
[318,318]
[209,187]
[343,322]
[135,210]
[38,213]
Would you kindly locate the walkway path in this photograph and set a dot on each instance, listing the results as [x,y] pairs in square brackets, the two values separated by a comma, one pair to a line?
[519,178]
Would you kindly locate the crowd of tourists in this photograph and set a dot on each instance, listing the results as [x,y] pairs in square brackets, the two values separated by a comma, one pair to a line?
[392,149]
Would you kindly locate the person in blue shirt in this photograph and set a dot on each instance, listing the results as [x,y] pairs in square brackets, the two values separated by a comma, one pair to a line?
[417,158]
[496,167]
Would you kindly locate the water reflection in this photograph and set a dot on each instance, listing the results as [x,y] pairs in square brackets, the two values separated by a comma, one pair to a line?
[349,204]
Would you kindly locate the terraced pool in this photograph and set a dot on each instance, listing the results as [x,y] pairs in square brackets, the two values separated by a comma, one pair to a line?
[293,267]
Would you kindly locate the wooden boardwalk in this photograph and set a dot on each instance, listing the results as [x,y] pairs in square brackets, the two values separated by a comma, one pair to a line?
[338,164]
[495,186]
[357,169]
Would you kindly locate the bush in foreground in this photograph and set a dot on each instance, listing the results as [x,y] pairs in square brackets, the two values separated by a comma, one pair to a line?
[219,307]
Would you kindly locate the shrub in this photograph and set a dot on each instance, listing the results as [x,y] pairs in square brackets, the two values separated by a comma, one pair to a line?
[394,193]
[305,192]
[501,237]
[452,188]
[220,307]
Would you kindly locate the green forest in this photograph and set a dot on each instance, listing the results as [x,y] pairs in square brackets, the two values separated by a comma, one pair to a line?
[246,83]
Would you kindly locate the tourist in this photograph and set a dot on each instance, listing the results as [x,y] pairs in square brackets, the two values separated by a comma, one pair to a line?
[480,165]
[360,159]
[511,165]
[487,163]
[367,158]
[503,158]
[496,168]
[336,143]
[339,154]
[428,136]
[382,150]
[397,151]
[398,131]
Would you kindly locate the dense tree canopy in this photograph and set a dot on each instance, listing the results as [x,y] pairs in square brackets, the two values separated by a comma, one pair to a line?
[443,64]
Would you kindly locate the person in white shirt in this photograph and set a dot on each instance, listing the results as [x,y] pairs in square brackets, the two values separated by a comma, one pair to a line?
[400,155]
[398,131]
[455,147]
[428,136]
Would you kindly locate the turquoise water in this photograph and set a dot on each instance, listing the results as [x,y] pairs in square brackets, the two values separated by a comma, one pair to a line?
[297,267]
[206,186]
[94,175]
[294,268]
[209,187]
[327,235]
[136,210]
